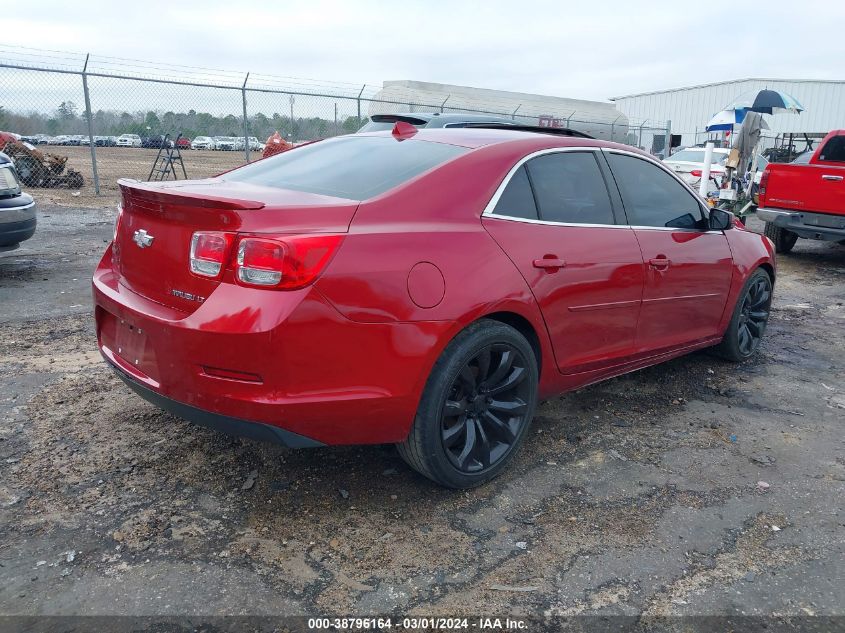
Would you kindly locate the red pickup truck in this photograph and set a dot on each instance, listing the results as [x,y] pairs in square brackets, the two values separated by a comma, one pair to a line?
[806,200]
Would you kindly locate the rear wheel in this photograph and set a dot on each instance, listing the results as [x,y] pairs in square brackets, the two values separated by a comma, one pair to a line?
[748,323]
[476,407]
[783,240]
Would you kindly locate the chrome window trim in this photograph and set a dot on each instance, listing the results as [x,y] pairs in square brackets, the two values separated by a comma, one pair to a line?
[489,209]
[553,223]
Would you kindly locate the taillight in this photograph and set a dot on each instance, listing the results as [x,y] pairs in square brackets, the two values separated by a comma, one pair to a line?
[761,189]
[209,252]
[117,221]
[698,173]
[284,263]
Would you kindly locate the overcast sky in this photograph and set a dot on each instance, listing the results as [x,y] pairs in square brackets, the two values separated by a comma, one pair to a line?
[591,50]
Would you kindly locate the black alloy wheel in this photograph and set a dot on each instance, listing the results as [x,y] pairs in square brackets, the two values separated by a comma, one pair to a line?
[476,407]
[754,314]
[486,408]
[749,319]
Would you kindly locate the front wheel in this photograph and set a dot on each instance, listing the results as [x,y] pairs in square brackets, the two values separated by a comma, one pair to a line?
[476,407]
[749,320]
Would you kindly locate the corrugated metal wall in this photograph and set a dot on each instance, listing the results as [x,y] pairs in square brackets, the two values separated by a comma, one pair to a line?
[689,109]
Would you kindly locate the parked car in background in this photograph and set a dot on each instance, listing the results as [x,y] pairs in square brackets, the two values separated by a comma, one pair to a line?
[105,141]
[128,140]
[227,143]
[255,145]
[17,209]
[688,163]
[155,142]
[35,139]
[806,199]
[380,122]
[203,142]
[424,288]
[57,140]
[183,142]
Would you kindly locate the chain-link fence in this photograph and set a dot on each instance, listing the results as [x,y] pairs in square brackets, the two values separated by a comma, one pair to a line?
[107,116]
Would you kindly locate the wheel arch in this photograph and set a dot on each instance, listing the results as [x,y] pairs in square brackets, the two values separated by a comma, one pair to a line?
[524,327]
[770,270]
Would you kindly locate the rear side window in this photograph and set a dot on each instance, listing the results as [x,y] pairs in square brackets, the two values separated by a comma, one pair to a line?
[653,197]
[517,201]
[569,187]
[352,167]
[834,150]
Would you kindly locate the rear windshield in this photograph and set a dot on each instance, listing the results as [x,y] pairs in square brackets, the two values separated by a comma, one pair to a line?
[697,156]
[352,167]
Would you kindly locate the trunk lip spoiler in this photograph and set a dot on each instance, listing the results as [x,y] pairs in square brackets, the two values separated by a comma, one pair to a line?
[152,191]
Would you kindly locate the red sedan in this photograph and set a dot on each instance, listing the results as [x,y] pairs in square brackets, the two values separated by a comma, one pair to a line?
[424,288]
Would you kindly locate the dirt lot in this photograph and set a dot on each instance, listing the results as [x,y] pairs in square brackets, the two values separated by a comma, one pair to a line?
[693,488]
[126,162]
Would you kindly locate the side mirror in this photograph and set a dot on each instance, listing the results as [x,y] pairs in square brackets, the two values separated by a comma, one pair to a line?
[720,220]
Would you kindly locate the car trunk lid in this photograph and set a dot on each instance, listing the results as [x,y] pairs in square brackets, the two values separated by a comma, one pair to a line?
[158,220]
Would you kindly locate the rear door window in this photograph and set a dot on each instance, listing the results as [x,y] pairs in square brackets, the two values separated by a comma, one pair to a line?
[351,167]
[569,188]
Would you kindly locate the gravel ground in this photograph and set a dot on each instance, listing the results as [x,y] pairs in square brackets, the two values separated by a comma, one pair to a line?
[697,487]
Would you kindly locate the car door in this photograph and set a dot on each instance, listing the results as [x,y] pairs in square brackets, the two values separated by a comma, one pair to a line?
[555,218]
[688,267]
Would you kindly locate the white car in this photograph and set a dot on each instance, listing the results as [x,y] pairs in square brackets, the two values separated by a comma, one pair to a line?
[255,145]
[128,140]
[203,142]
[58,140]
[226,143]
[688,163]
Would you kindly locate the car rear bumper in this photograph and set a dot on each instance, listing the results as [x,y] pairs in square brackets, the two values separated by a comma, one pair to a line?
[223,423]
[807,224]
[288,360]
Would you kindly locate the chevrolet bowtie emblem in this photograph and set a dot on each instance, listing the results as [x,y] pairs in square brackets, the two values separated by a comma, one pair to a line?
[142,238]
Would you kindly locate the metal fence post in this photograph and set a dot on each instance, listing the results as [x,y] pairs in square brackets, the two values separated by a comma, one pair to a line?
[513,114]
[613,126]
[246,125]
[90,119]
[640,137]
[442,105]
[291,119]
[358,99]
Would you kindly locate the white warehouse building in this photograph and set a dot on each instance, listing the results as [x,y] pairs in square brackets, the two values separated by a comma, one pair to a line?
[689,109]
[596,118]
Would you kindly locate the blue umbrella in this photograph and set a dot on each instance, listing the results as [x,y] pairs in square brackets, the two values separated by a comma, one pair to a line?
[766,102]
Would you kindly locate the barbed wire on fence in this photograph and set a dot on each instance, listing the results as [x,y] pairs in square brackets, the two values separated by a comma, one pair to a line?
[94,100]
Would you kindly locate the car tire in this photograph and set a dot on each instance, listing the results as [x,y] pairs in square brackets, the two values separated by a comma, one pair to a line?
[476,407]
[749,319]
[783,239]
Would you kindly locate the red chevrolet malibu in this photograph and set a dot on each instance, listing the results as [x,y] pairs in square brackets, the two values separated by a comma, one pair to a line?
[424,288]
